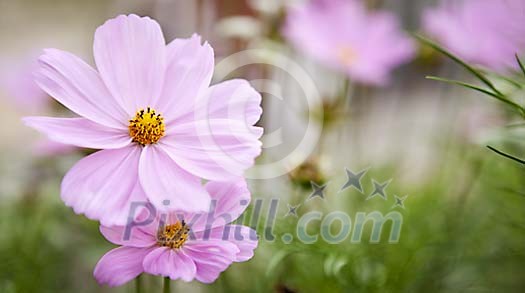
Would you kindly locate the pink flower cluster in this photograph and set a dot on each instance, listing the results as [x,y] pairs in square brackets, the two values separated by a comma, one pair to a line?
[161,129]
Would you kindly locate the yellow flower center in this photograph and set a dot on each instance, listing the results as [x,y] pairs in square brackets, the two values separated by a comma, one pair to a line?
[346,55]
[173,236]
[147,127]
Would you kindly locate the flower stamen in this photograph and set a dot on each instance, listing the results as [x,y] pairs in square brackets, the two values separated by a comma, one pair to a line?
[147,127]
[173,236]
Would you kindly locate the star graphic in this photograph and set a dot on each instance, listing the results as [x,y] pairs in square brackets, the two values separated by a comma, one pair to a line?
[354,180]
[400,201]
[317,190]
[292,210]
[379,189]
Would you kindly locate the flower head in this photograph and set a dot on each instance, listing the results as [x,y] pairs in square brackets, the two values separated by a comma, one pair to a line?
[182,245]
[150,108]
[485,32]
[343,35]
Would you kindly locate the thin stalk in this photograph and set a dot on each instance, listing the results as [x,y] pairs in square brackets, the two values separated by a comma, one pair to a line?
[506,155]
[520,64]
[138,284]
[346,90]
[167,285]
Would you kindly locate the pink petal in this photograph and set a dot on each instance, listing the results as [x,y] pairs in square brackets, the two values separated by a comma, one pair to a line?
[218,149]
[157,261]
[246,240]
[228,202]
[80,132]
[170,263]
[234,99]
[211,257]
[310,29]
[138,237]
[131,58]
[120,265]
[243,237]
[231,198]
[185,266]
[467,30]
[218,141]
[103,185]
[163,180]
[77,86]
[188,75]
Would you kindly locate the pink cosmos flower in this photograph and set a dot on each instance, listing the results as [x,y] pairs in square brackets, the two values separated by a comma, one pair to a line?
[152,111]
[185,246]
[343,35]
[485,32]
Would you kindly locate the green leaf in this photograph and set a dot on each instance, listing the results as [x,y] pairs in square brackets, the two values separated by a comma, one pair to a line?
[479,89]
[458,60]
[464,84]
[506,155]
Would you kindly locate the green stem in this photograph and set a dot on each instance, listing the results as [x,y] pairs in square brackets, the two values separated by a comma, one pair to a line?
[344,96]
[506,155]
[138,284]
[520,64]
[167,285]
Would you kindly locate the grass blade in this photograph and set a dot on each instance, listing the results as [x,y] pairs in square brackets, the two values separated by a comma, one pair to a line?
[474,87]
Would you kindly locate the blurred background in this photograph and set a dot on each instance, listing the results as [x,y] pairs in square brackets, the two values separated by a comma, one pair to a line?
[463,220]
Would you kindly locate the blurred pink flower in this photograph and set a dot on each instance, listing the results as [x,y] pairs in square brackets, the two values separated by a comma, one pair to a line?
[22,91]
[150,108]
[345,36]
[184,246]
[45,147]
[485,32]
